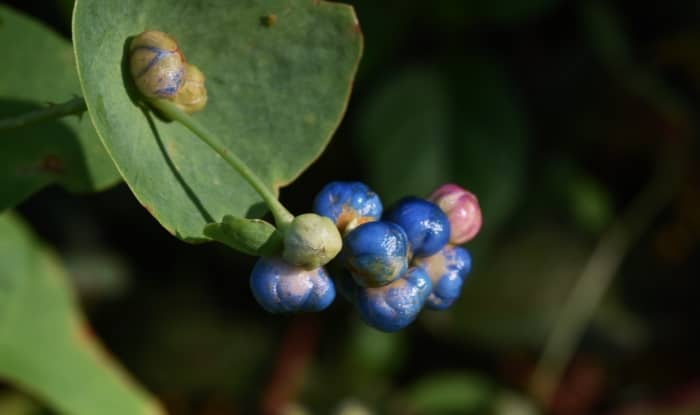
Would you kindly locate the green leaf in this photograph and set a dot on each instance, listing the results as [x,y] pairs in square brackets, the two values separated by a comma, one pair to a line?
[276,94]
[450,393]
[39,68]
[404,134]
[250,236]
[46,346]
[515,301]
[424,128]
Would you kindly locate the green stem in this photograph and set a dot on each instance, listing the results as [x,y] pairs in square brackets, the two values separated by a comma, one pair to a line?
[73,107]
[597,275]
[282,216]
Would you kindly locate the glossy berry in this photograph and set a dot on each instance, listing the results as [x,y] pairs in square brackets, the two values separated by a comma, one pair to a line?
[462,209]
[426,226]
[348,204]
[280,287]
[311,241]
[156,64]
[447,270]
[396,305]
[376,253]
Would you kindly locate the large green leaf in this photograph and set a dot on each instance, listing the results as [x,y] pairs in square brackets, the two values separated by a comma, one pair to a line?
[38,68]
[276,94]
[45,344]
[424,127]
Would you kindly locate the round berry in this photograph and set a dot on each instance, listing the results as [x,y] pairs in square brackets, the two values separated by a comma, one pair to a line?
[447,270]
[396,305]
[462,209]
[348,204]
[311,241]
[376,253]
[280,287]
[426,226]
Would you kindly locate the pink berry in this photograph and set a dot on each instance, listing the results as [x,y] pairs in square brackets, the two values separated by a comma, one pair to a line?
[462,209]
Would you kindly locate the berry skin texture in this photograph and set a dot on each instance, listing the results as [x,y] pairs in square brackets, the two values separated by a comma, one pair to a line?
[348,204]
[393,307]
[376,253]
[426,225]
[462,209]
[311,241]
[192,95]
[282,288]
[447,270]
[156,64]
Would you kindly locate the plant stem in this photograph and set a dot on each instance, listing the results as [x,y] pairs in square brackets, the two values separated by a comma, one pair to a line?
[597,275]
[282,216]
[73,107]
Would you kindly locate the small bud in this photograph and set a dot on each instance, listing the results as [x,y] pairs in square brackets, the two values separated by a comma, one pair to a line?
[192,95]
[311,241]
[462,209]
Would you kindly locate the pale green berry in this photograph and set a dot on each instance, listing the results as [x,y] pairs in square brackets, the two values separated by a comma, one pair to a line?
[311,241]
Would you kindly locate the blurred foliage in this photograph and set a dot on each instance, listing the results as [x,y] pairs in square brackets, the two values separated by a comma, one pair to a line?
[554,113]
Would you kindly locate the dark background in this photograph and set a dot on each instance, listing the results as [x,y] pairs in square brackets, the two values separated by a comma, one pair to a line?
[573,122]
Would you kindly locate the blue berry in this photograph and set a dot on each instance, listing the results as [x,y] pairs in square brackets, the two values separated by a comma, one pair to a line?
[396,305]
[376,253]
[280,287]
[348,204]
[447,270]
[426,225]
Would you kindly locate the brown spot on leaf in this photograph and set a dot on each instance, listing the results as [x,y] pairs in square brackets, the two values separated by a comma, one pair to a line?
[269,20]
[52,164]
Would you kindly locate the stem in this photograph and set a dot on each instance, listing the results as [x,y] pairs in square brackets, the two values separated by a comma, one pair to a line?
[596,276]
[73,107]
[282,216]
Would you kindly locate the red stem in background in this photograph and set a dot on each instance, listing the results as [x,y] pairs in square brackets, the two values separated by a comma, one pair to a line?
[295,353]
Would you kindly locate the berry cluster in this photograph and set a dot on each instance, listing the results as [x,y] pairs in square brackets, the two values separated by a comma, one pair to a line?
[392,263]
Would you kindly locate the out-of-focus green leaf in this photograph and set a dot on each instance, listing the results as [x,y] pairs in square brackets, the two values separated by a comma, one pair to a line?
[582,197]
[448,393]
[46,346]
[490,148]
[515,301]
[276,91]
[404,134]
[39,68]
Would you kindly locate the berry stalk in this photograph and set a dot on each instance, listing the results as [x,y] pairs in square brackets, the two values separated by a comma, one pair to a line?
[282,216]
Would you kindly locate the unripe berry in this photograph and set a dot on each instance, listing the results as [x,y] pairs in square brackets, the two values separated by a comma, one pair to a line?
[376,253]
[280,287]
[348,204]
[447,270]
[462,209]
[426,226]
[192,95]
[396,305]
[311,241]
[157,66]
